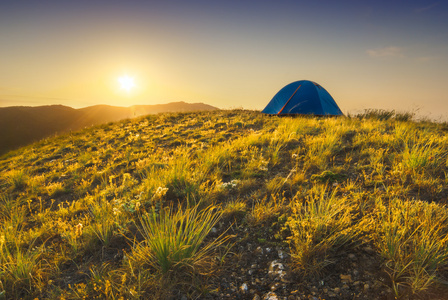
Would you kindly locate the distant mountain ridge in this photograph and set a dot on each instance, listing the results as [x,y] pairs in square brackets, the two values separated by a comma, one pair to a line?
[21,125]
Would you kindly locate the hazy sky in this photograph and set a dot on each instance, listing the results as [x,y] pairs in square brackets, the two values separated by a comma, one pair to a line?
[233,53]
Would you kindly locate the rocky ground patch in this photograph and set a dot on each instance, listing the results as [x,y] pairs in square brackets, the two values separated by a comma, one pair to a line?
[255,271]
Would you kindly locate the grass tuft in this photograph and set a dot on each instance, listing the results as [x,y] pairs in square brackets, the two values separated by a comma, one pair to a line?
[412,237]
[173,240]
[320,224]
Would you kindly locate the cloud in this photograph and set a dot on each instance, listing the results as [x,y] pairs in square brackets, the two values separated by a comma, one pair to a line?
[425,8]
[426,58]
[391,51]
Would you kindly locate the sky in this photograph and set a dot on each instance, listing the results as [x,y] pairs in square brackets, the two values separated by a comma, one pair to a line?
[230,54]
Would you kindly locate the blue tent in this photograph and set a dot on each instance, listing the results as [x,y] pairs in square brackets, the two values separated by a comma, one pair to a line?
[303,97]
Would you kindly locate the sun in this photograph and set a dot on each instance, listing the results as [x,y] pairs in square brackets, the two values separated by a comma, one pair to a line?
[126,82]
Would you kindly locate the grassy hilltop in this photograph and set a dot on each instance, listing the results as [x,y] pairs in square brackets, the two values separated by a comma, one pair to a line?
[229,204]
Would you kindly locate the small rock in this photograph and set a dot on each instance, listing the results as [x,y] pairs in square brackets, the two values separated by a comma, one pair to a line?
[270,296]
[244,288]
[276,269]
[352,256]
[256,297]
[268,250]
[259,250]
[274,266]
[281,254]
[275,286]
[214,230]
[355,272]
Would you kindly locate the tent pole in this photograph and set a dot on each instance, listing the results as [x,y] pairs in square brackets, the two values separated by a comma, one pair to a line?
[289,100]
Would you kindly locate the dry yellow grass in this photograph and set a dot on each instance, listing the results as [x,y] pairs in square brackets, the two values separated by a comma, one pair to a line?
[73,204]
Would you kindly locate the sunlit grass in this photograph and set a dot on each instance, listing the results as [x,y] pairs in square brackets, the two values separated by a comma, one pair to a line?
[235,210]
[17,178]
[412,237]
[21,271]
[104,221]
[173,240]
[128,203]
[320,225]
[266,208]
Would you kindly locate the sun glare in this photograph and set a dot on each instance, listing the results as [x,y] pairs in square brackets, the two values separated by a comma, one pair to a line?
[126,82]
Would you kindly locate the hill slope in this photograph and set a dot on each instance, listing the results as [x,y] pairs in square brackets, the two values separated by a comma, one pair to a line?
[20,125]
[248,206]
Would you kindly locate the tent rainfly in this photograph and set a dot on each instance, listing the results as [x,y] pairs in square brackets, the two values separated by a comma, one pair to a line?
[303,98]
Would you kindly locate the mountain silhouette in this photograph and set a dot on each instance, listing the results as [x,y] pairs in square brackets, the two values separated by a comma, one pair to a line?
[22,125]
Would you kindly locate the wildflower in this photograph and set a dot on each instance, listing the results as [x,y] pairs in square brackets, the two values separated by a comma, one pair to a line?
[161,191]
[225,184]
[230,184]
